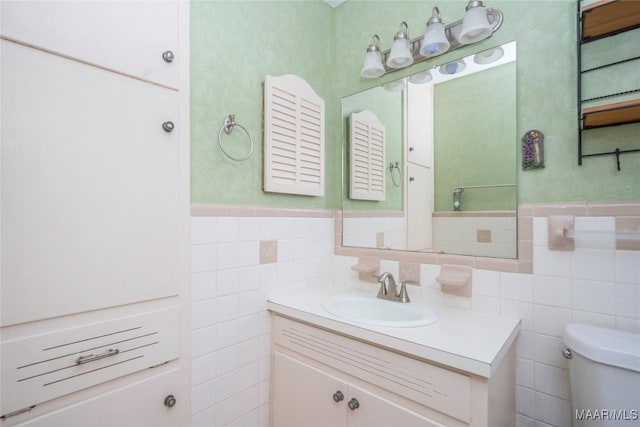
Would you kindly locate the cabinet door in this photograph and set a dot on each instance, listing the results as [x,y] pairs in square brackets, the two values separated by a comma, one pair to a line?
[303,395]
[126,36]
[90,188]
[375,411]
[419,110]
[137,404]
[44,362]
[419,207]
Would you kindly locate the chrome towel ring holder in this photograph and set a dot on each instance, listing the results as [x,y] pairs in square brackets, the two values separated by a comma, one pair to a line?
[227,127]
[395,166]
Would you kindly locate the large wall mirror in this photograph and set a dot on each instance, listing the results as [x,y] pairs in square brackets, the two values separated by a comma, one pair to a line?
[449,160]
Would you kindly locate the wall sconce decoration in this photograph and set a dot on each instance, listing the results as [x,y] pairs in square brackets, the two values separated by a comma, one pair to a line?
[478,23]
[533,150]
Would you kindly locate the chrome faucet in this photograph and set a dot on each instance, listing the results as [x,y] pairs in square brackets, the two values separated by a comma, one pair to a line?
[389,290]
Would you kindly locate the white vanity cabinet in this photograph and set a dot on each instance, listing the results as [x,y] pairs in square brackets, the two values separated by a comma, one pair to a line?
[305,395]
[311,365]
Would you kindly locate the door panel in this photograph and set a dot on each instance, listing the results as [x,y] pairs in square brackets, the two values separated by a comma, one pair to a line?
[90,187]
[303,395]
[419,208]
[139,404]
[375,411]
[420,124]
[126,36]
[43,366]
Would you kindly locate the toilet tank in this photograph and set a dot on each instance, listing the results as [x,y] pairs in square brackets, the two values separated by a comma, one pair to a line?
[604,371]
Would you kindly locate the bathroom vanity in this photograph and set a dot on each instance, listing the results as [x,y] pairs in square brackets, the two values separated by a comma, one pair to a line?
[327,370]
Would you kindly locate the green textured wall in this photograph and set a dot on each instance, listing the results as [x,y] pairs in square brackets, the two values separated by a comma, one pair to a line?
[235,43]
[474,122]
[546,87]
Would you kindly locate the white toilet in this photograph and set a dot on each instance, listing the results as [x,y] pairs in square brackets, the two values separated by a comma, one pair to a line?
[604,371]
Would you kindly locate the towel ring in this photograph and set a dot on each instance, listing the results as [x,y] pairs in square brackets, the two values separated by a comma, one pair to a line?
[396,166]
[227,127]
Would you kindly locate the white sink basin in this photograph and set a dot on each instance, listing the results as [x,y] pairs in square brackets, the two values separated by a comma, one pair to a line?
[378,312]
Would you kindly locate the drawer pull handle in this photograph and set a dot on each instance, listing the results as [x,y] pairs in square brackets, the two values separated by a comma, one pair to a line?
[353,404]
[338,396]
[91,357]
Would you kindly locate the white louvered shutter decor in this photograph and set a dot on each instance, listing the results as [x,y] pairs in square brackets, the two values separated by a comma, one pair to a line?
[366,157]
[293,137]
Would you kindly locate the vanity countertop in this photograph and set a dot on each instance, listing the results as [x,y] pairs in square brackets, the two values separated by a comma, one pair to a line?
[461,339]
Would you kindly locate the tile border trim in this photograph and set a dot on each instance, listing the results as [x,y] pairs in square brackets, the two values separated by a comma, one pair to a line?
[202,209]
[526,212]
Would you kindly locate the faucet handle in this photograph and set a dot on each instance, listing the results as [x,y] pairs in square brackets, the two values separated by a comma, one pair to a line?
[403,296]
[382,292]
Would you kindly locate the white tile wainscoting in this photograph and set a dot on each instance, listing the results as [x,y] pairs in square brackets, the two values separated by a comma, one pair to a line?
[475,233]
[230,324]
[596,283]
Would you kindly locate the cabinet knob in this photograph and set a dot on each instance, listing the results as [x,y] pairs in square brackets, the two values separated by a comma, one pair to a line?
[353,404]
[168,56]
[411,179]
[410,148]
[338,396]
[168,126]
[170,401]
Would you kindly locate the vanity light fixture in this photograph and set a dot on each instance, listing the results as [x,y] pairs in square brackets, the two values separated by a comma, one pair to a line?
[475,24]
[373,67]
[479,23]
[394,86]
[488,56]
[421,78]
[453,67]
[400,55]
[435,41]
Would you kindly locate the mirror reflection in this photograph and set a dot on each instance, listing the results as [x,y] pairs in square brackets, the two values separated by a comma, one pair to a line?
[445,161]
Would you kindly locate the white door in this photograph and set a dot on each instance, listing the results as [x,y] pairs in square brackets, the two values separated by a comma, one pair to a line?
[90,187]
[419,111]
[129,37]
[139,404]
[375,411]
[419,174]
[303,396]
[419,183]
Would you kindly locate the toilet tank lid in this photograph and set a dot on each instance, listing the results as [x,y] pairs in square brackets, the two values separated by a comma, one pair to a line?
[604,345]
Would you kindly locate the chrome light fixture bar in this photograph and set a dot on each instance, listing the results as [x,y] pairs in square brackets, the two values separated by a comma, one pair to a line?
[453,33]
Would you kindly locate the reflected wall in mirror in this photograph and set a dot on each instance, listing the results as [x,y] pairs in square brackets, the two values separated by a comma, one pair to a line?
[452,131]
